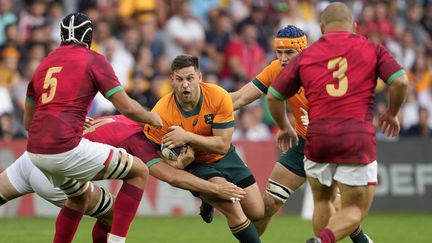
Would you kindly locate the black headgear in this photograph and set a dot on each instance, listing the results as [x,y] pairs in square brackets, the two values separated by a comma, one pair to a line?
[77,28]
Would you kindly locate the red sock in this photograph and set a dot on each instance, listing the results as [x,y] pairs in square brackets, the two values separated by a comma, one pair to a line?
[327,236]
[125,208]
[66,225]
[100,232]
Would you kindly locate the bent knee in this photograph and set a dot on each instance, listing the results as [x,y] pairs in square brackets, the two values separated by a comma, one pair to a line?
[271,205]
[255,215]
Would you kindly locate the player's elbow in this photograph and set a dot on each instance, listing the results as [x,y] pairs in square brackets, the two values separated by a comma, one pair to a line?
[401,82]
[224,148]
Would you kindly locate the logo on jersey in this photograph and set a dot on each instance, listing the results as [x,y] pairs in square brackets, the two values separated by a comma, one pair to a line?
[208,118]
[195,122]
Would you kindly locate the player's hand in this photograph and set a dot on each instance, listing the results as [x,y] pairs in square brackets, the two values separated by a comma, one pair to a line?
[305,117]
[153,119]
[389,124]
[229,191]
[88,122]
[285,139]
[186,156]
[176,137]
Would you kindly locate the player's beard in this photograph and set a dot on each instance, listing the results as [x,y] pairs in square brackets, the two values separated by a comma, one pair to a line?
[188,98]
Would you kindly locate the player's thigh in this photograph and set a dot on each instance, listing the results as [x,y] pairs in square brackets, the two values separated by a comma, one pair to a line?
[286,177]
[252,204]
[293,159]
[43,187]
[231,167]
[82,163]
[357,185]
[14,181]
[321,193]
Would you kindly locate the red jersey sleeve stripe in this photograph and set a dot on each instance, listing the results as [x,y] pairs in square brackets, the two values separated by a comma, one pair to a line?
[395,76]
[276,94]
[113,91]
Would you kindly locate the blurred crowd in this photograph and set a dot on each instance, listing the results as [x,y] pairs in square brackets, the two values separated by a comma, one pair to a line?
[233,38]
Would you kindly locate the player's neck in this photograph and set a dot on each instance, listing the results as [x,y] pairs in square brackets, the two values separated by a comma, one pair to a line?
[191,105]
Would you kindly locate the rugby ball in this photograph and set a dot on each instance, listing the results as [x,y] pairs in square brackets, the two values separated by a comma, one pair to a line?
[170,154]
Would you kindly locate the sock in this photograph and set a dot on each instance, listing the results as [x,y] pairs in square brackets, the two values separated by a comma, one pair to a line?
[100,232]
[246,232]
[66,225]
[115,239]
[327,236]
[358,236]
[125,208]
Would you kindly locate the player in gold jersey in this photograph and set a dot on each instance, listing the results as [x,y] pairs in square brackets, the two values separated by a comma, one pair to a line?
[200,115]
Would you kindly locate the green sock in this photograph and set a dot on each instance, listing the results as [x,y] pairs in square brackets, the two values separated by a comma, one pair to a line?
[358,236]
[246,232]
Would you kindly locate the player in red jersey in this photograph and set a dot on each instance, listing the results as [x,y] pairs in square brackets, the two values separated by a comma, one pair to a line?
[22,177]
[339,73]
[58,97]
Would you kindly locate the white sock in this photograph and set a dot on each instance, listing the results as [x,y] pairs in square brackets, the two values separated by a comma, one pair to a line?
[115,239]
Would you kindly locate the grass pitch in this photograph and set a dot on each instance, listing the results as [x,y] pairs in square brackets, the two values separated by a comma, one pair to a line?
[386,228]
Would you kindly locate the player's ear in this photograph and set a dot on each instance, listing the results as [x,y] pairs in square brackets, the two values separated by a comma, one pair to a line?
[322,28]
[200,76]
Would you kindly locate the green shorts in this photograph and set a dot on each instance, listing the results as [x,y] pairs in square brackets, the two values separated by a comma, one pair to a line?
[231,167]
[293,159]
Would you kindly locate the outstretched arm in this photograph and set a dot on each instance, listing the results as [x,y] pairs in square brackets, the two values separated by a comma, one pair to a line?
[244,96]
[185,180]
[133,110]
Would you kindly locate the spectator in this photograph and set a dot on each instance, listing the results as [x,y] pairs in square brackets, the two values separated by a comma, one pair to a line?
[244,56]
[6,18]
[183,32]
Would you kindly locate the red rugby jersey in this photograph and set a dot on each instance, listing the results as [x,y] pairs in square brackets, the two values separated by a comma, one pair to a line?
[339,73]
[63,86]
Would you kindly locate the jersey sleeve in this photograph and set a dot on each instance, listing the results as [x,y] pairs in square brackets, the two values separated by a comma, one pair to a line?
[388,68]
[263,80]
[224,116]
[288,82]
[30,95]
[103,76]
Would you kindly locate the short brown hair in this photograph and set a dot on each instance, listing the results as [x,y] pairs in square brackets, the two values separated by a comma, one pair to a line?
[184,61]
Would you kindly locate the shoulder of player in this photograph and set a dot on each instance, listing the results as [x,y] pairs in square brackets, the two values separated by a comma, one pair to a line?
[213,90]
[164,102]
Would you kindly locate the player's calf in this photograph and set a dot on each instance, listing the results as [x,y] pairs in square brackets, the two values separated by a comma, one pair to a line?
[70,215]
[134,174]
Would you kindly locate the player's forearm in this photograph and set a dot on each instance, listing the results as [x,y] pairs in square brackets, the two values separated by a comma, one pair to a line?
[136,112]
[212,144]
[397,94]
[245,96]
[190,182]
[278,111]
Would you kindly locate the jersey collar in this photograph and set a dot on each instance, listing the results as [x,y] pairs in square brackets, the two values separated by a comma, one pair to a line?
[194,111]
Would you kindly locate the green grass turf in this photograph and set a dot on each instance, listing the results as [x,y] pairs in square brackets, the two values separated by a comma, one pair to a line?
[386,228]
